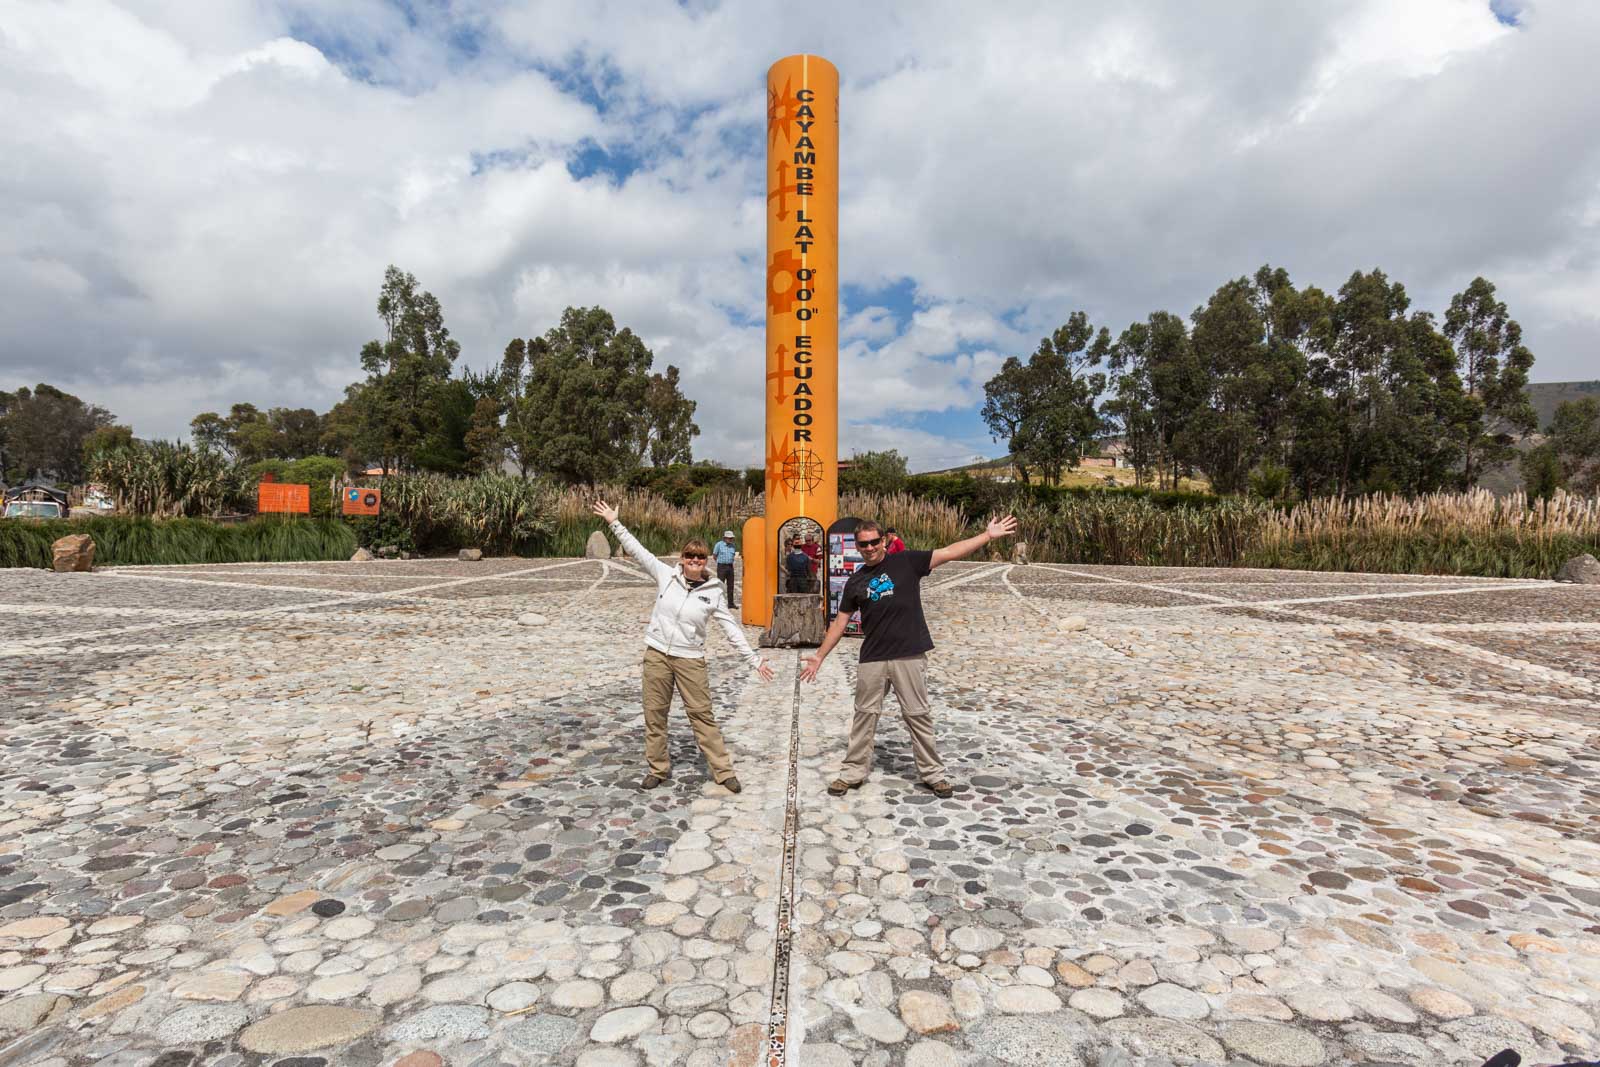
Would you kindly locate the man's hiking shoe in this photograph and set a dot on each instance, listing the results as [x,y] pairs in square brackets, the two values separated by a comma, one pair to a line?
[839,787]
[940,789]
[650,781]
[731,785]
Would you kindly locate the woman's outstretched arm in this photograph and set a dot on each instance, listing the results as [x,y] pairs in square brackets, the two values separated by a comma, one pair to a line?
[630,543]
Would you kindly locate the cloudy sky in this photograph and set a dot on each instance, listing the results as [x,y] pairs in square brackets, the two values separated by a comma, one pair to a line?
[200,198]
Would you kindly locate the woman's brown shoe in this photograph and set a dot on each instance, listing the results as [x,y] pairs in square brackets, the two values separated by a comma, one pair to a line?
[650,781]
[940,789]
[731,785]
[838,787]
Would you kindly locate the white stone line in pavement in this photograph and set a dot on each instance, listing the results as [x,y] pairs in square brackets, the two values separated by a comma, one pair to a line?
[1518,627]
[1291,601]
[776,1043]
[1538,670]
[81,609]
[332,600]
[1129,581]
[970,576]
[1005,579]
[1414,631]
[341,575]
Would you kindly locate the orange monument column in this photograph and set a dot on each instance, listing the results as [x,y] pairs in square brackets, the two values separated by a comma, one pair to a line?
[802,382]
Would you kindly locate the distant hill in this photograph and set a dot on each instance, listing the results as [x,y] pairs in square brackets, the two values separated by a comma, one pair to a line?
[1547,396]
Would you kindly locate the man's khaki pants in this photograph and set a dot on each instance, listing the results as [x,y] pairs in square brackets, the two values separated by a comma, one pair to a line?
[873,682]
[663,673]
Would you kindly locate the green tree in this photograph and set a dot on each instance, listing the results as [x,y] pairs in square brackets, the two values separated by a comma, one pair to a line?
[1494,367]
[1223,437]
[1045,408]
[1006,405]
[44,430]
[407,395]
[1541,471]
[209,431]
[485,440]
[1368,322]
[874,472]
[1574,437]
[1132,407]
[105,439]
[521,418]
[296,432]
[584,399]
[668,426]
[444,447]
[250,435]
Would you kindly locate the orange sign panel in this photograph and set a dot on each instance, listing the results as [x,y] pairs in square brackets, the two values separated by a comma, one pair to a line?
[802,357]
[359,501]
[283,498]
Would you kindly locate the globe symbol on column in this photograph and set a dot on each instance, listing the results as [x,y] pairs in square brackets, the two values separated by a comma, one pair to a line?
[802,471]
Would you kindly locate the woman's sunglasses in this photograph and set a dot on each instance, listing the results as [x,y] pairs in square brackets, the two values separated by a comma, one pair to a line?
[693,558]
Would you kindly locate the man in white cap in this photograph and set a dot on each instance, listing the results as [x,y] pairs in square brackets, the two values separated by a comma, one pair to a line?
[724,553]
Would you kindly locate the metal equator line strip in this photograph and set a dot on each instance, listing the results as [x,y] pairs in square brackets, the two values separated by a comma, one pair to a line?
[775,1046]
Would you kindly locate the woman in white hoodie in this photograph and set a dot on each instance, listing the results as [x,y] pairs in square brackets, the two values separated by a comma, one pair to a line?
[687,596]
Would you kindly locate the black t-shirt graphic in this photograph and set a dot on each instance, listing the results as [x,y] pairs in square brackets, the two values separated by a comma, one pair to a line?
[889,597]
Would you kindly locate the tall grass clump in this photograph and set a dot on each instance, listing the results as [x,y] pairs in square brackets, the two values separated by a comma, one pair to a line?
[495,512]
[1473,533]
[660,525]
[171,479]
[922,523]
[129,540]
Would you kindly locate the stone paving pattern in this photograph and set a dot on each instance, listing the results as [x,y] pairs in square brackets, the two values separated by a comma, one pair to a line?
[307,814]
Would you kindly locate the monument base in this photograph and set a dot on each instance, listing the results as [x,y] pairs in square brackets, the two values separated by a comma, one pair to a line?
[797,622]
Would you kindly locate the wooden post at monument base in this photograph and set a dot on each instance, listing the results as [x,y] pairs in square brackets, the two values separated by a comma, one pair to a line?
[797,622]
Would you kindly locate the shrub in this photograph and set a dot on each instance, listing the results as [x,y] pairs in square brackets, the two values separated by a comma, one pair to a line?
[319,473]
[495,512]
[127,540]
[164,478]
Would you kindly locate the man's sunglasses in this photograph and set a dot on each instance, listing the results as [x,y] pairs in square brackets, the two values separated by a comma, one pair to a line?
[694,556]
[869,544]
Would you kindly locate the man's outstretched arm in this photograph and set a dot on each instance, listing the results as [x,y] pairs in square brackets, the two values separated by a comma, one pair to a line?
[997,529]
[813,662]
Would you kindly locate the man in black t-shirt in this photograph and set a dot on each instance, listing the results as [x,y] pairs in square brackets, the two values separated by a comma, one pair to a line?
[887,591]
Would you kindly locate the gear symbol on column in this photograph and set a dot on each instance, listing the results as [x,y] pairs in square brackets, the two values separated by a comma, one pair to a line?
[783,261]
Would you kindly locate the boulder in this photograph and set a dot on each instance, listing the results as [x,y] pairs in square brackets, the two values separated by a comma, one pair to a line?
[388,552]
[471,555]
[75,552]
[1019,553]
[1584,570]
[598,547]
[1073,622]
[620,553]
[532,619]
[361,556]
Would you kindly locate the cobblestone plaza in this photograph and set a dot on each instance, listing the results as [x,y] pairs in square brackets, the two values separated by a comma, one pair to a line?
[356,813]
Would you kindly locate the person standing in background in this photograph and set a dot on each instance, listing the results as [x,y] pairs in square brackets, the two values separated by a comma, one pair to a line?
[725,553]
[895,544]
[813,552]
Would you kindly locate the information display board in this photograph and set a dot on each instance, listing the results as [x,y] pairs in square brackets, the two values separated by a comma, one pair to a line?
[283,498]
[359,501]
[843,561]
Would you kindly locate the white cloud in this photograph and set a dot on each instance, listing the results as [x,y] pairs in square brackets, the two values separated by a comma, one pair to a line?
[201,200]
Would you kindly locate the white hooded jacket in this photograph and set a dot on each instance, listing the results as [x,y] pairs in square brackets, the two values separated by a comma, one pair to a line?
[678,623]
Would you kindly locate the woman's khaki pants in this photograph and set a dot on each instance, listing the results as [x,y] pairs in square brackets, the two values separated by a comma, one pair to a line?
[663,673]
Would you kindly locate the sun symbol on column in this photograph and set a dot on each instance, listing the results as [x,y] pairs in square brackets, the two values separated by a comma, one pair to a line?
[802,471]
